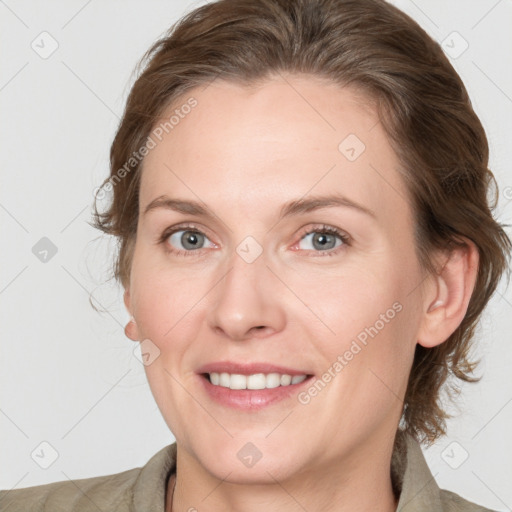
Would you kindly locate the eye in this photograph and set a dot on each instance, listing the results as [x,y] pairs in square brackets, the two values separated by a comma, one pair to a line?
[323,239]
[189,239]
[185,239]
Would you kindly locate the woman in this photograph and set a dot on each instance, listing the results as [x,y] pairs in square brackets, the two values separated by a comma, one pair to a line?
[299,189]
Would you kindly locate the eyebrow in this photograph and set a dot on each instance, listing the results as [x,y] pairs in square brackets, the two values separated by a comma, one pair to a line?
[292,208]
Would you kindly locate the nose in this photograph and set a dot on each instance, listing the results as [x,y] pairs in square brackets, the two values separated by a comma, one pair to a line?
[247,302]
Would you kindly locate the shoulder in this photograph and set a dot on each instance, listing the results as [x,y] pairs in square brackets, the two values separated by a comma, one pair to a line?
[104,493]
[452,502]
[419,491]
[120,492]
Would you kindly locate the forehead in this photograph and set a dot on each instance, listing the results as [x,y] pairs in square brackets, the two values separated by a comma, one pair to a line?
[271,142]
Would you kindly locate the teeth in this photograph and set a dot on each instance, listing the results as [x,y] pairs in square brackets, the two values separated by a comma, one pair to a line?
[255,381]
[286,380]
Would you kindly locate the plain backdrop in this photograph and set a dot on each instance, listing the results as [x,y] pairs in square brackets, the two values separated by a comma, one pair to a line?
[69,376]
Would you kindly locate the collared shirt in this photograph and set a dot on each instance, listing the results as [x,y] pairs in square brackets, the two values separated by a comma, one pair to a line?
[143,489]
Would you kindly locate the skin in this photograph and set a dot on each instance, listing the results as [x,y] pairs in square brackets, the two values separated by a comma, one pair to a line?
[244,152]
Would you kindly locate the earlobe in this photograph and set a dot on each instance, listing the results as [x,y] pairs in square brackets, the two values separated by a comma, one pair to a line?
[130,330]
[453,286]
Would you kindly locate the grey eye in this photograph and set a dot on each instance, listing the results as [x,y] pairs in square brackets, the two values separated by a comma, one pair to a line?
[322,241]
[189,240]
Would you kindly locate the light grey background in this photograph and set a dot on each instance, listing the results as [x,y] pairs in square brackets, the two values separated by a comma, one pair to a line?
[68,374]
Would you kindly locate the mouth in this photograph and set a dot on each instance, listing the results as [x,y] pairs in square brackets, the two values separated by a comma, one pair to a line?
[254,381]
[251,386]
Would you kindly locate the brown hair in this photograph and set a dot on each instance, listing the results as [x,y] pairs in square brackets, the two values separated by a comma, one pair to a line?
[424,108]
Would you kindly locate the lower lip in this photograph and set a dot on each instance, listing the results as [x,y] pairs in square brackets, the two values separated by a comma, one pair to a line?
[251,399]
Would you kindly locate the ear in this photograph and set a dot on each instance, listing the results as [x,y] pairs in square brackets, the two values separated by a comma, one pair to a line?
[447,299]
[130,329]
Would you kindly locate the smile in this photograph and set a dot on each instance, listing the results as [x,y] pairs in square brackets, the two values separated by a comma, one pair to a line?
[254,381]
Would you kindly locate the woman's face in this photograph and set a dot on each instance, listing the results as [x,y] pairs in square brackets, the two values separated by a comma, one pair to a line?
[249,282]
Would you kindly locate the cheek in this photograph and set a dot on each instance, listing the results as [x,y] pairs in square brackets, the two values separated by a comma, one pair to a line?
[162,296]
[355,297]
[372,315]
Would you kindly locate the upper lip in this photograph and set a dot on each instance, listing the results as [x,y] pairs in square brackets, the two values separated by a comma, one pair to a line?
[248,368]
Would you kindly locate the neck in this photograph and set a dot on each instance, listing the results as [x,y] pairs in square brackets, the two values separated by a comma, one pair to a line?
[343,486]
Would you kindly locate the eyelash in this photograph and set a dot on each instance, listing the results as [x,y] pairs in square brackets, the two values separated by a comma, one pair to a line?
[324,229]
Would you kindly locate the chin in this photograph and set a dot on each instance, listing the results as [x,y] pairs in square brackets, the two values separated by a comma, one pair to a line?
[244,462]
[266,471]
